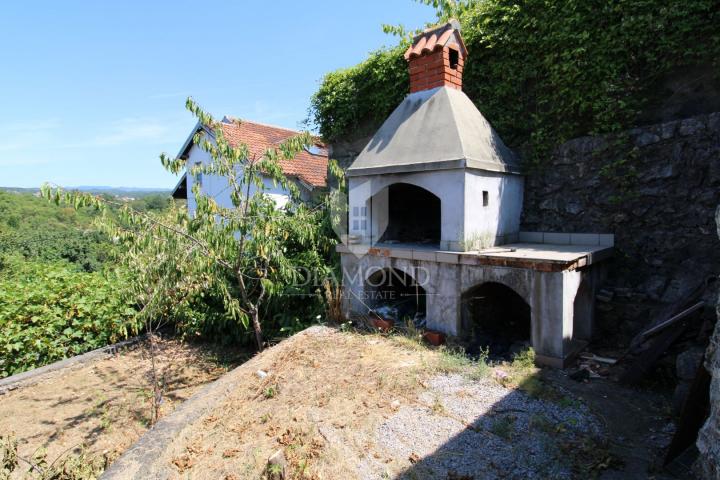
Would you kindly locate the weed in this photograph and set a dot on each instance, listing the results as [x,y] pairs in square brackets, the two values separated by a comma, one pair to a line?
[8,455]
[503,427]
[76,466]
[567,402]
[411,337]
[452,360]
[437,407]
[270,392]
[524,360]
[481,368]
[591,456]
[333,303]
[541,423]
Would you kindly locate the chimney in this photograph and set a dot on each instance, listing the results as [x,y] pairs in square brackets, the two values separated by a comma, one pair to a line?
[436,58]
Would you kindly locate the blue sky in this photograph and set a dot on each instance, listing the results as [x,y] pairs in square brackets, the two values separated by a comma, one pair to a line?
[92,92]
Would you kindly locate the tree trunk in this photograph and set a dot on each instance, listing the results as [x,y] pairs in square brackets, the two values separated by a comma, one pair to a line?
[257,328]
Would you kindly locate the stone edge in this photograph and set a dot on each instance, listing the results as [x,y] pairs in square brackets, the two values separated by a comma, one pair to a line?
[35,375]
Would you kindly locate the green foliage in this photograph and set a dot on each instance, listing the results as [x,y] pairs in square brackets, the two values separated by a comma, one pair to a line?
[50,311]
[352,101]
[541,71]
[39,231]
[227,268]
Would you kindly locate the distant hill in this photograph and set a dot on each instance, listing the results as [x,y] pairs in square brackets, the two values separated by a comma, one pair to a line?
[133,192]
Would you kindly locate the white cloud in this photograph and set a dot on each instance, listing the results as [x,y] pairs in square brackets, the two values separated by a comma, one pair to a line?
[23,135]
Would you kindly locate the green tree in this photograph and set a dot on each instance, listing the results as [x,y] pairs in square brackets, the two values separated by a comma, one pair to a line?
[239,251]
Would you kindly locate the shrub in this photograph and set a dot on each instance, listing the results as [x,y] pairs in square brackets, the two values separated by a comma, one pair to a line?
[50,311]
[540,71]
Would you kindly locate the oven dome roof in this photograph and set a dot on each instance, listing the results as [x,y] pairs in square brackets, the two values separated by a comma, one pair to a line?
[435,129]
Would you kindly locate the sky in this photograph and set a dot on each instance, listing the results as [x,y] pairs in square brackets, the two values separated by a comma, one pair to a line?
[92,92]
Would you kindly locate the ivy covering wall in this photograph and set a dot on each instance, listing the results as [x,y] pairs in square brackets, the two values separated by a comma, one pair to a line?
[541,71]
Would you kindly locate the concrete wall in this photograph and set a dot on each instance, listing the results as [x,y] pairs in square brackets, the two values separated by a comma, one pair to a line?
[465,223]
[445,184]
[499,221]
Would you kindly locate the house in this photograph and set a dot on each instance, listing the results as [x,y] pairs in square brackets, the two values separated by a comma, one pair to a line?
[308,170]
[435,201]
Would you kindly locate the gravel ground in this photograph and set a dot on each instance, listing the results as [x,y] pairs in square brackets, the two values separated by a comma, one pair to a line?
[481,430]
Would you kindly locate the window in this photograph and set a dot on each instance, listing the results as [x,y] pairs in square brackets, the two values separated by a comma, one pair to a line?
[486,198]
[454,58]
[199,176]
[314,150]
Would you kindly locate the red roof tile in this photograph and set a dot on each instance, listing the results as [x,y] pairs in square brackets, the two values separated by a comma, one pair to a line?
[309,167]
[435,38]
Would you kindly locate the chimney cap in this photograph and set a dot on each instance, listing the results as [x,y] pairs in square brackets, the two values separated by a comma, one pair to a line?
[436,38]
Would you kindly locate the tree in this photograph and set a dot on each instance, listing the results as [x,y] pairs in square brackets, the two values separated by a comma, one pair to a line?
[239,251]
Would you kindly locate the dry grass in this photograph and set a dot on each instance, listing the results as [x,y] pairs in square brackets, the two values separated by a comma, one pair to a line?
[330,392]
[103,406]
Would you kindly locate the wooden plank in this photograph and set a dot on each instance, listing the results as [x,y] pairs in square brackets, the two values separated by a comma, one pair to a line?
[647,359]
[673,319]
[694,412]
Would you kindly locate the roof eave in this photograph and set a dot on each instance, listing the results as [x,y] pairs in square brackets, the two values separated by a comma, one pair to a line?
[453,164]
[182,182]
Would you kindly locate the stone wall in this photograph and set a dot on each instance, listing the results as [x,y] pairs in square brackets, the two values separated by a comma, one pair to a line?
[656,189]
[709,438]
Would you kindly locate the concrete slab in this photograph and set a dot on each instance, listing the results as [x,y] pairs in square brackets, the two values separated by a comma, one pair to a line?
[447,257]
[544,252]
[427,255]
[405,253]
[536,256]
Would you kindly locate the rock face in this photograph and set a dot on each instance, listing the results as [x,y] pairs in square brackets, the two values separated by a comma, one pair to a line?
[709,438]
[656,189]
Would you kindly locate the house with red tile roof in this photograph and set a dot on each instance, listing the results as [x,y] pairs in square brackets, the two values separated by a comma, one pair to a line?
[308,170]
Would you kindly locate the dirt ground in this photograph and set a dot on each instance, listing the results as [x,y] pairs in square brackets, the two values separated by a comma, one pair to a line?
[104,406]
[350,406]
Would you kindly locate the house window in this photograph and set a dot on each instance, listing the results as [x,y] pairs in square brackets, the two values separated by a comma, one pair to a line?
[454,58]
[486,199]
[199,176]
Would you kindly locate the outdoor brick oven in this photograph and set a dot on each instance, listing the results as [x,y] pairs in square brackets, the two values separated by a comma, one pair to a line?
[434,206]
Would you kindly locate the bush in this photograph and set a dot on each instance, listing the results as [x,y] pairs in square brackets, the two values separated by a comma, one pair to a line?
[50,311]
[540,71]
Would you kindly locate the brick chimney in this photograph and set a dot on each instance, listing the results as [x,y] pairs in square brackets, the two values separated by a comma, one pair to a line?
[436,58]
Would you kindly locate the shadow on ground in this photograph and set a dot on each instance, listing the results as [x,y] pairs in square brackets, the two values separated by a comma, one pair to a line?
[548,427]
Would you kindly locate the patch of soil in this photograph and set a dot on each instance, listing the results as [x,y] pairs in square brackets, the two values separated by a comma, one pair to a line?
[638,423]
[104,406]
